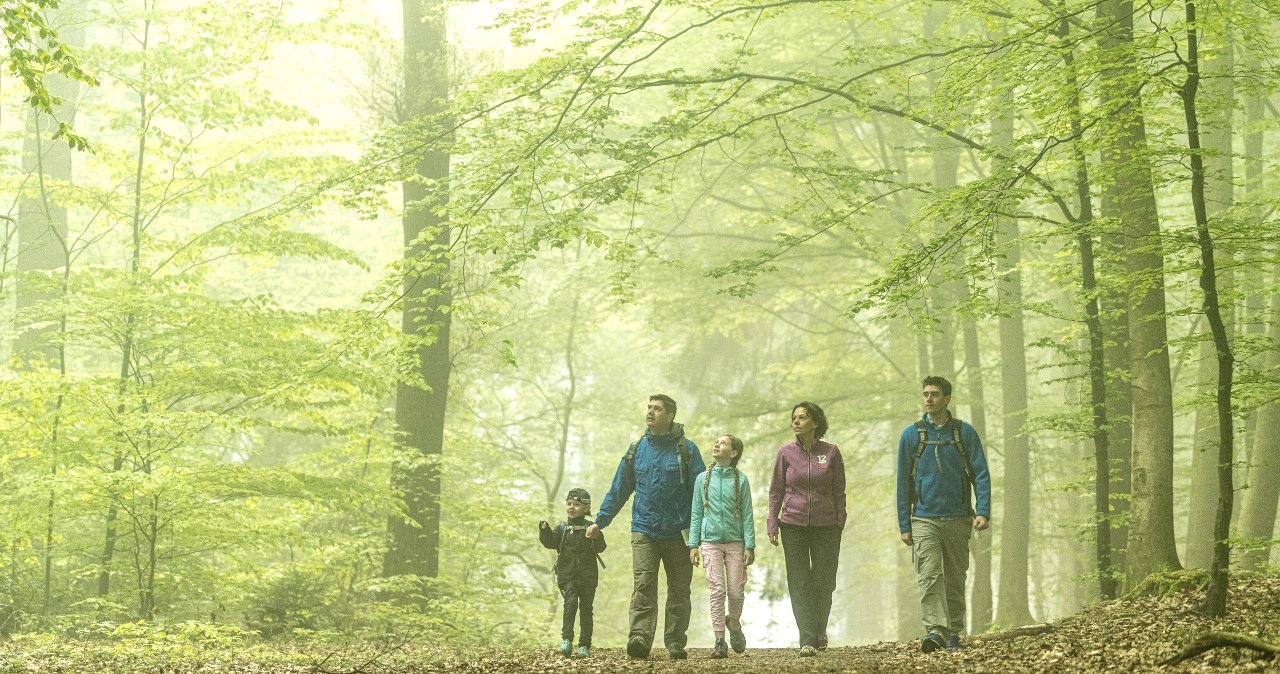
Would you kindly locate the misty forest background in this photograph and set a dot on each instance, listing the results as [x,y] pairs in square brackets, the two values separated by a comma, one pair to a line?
[313,309]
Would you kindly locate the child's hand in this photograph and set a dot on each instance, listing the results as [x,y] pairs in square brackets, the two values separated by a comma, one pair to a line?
[748,557]
[542,524]
[695,556]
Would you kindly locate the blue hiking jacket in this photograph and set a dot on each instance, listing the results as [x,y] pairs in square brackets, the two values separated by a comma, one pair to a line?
[663,495]
[940,475]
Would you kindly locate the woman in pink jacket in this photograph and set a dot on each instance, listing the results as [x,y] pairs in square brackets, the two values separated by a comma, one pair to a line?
[806,505]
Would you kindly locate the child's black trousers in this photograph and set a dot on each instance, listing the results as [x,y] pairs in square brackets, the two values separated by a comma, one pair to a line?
[578,598]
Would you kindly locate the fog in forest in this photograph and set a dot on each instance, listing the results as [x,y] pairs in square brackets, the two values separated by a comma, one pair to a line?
[314,309]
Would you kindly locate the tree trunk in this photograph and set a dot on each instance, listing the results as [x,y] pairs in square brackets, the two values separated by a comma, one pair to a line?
[982,600]
[944,155]
[1217,128]
[1097,339]
[1151,543]
[1258,512]
[42,250]
[1013,608]
[1215,603]
[414,547]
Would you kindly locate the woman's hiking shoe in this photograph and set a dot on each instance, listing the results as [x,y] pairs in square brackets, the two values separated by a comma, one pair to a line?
[584,652]
[953,643]
[932,642]
[721,649]
[637,648]
[737,640]
[566,647]
[807,651]
[821,642]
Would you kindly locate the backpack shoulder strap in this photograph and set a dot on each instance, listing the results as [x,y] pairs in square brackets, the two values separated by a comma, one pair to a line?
[682,451]
[955,425]
[564,533]
[921,435]
[630,458]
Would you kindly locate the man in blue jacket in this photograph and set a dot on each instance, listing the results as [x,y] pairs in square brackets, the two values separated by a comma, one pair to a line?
[941,466]
[659,469]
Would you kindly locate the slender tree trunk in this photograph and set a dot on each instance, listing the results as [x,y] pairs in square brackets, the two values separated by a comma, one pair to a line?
[42,250]
[1216,597]
[944,156]
[982,599]
[1151,542]
[1107,585]
[414,547]
[128,344]
[909,617]
[1217,128]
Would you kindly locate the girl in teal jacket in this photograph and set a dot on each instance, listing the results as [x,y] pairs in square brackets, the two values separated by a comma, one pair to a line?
[722,532]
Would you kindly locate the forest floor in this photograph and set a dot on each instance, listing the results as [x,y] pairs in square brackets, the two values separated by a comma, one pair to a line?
[1136,634]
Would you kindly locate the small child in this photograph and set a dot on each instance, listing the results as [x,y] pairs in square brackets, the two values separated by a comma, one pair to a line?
[722,534]
[576,572]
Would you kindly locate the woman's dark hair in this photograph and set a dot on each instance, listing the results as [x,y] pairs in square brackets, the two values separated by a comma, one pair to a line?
[815,412]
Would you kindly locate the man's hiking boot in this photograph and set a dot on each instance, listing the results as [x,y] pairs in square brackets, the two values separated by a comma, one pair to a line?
[953,643]
[565,648]
[721,649]
[637,649]
[932,641]
[678,653]
[807,651]
[584,652]
[737,640]
[822,642]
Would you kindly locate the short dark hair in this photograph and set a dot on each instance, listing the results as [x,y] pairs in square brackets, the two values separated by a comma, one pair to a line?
[940,382]
[815,412]
[668,403]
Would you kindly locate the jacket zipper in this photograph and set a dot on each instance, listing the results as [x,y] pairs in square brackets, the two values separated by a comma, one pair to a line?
[808,467]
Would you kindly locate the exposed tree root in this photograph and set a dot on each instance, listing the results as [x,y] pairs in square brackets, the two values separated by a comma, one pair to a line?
[1212,640]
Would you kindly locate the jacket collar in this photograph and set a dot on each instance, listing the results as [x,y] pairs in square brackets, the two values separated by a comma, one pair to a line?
[666,439]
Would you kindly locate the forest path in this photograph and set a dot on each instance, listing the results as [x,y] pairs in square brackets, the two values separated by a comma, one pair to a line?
[1126,636]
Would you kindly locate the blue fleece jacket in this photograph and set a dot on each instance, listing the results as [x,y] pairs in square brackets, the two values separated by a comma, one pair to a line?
[662,490]
[940,475]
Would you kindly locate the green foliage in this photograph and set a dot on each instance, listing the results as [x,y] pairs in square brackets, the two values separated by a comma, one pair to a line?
[34,52]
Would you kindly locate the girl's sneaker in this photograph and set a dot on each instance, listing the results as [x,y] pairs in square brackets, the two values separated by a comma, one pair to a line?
[721,649]
[584,651]
[566,647]
[737,639]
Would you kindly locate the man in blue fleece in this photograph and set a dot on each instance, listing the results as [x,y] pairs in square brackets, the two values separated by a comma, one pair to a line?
[659,469]
[941,467]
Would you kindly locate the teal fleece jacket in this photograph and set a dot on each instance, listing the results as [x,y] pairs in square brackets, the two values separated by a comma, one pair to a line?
[714,519]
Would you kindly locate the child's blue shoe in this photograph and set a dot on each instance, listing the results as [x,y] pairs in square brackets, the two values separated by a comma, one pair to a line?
[584,651]
[566,647]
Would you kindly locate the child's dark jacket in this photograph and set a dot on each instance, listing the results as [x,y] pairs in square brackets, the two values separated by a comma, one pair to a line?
[575,553]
